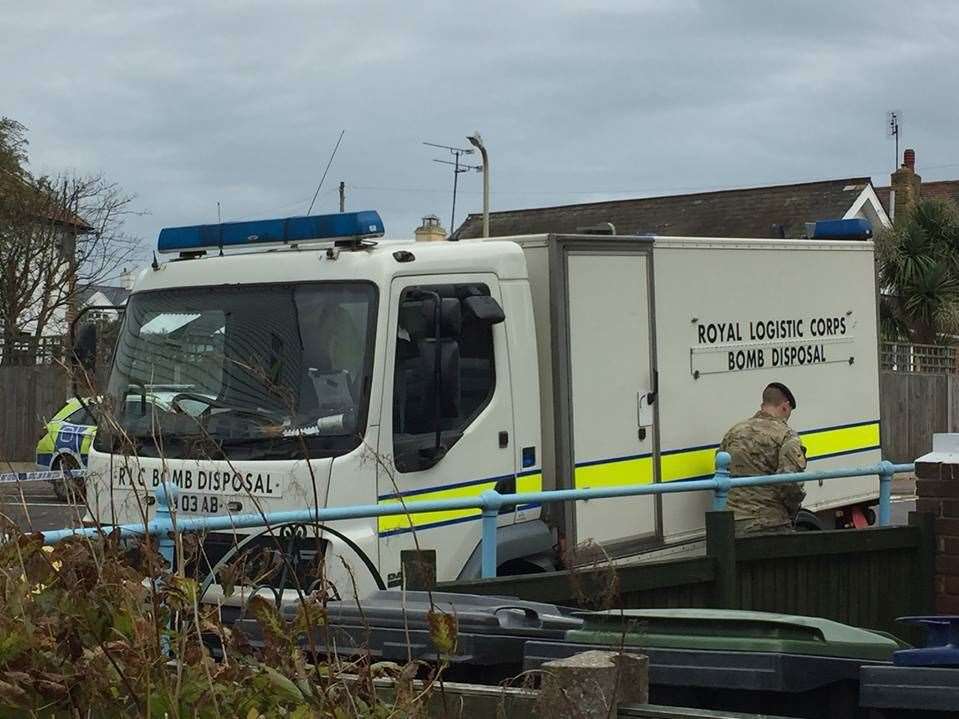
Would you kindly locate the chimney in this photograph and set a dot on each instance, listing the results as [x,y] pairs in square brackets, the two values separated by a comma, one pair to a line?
[431,230]
[905,185]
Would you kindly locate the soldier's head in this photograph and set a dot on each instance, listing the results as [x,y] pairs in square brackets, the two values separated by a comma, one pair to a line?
[778,400]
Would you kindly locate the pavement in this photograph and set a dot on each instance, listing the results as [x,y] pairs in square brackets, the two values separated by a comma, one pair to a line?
[33,506]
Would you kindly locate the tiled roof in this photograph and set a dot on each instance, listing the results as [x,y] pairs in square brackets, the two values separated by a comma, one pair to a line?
[114,295]
[752,212]
[944,190]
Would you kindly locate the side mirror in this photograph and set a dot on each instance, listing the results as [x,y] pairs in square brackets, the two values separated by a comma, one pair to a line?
[85,348]
[484,309]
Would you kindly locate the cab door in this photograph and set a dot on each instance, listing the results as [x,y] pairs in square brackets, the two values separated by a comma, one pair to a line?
[448,432]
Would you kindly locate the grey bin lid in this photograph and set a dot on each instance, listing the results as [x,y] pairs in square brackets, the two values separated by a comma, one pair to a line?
[735,630]
[474,613]
[490,631]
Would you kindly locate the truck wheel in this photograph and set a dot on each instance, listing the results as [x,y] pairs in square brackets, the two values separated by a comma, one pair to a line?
[806,521]
[73,493]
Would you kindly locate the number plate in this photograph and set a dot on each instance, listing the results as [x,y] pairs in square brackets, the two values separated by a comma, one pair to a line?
[200,504]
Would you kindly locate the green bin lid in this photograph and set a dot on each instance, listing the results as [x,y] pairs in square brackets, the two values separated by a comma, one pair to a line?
[733,630]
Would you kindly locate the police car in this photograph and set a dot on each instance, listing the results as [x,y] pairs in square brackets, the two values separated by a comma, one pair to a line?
[65,446]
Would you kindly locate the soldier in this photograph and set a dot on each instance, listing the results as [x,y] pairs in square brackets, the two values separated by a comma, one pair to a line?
[765,444]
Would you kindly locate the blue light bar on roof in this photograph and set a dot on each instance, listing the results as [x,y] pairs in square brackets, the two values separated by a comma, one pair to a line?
[342,226]
[854,229]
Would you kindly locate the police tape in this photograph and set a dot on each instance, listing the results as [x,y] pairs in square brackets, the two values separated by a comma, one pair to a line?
[46,476]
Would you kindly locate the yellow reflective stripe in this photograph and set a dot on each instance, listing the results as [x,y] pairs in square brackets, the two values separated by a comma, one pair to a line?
[402,521]
[638,470]
[530,483]
[615,473]
[701,462]
[686,465]
[843,439]
[526,483]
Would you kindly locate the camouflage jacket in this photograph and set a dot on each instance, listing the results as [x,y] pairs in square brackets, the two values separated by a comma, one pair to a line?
[764,444]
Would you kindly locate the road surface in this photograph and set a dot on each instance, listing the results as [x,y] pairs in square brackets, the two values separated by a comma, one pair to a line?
[38,508]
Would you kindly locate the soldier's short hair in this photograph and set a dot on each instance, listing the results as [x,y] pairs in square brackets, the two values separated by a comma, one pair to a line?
[777,393]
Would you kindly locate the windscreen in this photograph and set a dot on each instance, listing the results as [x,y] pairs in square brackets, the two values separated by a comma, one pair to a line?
[244,371]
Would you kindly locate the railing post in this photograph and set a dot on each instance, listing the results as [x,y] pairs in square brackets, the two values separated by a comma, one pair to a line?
[885,492]
[721,493]
[165,496]
[492,501]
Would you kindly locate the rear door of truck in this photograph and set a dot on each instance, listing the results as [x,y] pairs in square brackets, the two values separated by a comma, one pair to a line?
[611,381]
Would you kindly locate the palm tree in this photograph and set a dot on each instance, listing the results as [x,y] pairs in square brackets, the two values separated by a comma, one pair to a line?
[919,274]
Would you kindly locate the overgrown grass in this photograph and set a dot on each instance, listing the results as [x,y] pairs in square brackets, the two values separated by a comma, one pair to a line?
[99,629]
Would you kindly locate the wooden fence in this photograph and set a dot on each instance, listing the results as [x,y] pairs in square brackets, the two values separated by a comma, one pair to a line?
[864,577]
[32,351]
[29,395]
[913,407]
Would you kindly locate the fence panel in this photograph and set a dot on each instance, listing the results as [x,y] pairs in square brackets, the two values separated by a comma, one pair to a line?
[855,583]
[866,578]
[913,407]
[29,395]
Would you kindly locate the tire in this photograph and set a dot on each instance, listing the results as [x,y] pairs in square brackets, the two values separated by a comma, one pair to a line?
[77,492]
[806,521]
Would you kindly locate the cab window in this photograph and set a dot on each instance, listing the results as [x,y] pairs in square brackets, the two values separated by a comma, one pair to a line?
[444,373]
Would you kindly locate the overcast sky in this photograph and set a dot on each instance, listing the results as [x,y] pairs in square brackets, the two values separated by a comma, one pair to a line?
[187,104]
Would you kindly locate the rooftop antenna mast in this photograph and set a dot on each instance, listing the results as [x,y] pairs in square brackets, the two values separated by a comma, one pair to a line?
[458,168]
[893,120]
[332,155]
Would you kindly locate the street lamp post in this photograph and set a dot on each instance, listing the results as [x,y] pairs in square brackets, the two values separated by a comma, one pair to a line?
[477,141]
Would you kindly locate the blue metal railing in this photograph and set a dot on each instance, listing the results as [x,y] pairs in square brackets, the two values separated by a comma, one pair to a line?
[489,503]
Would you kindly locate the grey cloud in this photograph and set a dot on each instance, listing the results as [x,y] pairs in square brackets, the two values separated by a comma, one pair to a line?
[241,102]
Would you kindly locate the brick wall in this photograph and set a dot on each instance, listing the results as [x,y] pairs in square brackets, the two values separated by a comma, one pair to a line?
[937,489]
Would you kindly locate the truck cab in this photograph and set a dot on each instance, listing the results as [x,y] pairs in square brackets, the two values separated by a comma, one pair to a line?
[299,374]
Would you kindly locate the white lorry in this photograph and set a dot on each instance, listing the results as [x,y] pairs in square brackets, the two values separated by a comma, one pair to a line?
[269,367]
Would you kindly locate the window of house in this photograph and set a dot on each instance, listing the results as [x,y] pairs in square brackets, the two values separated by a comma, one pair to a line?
[448,399]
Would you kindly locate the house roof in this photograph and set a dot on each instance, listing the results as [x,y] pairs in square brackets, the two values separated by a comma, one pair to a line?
[52,209]
[115,295]
[751,212]
[944,190]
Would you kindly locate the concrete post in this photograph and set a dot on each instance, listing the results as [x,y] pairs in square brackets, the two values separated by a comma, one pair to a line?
[591,685]
[937,489]
[419,569]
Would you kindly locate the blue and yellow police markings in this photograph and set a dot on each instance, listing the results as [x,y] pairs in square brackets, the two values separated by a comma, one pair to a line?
[529,481]
[65,438]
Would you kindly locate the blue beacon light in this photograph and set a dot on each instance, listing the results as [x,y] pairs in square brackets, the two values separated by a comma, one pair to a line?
[344,226]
